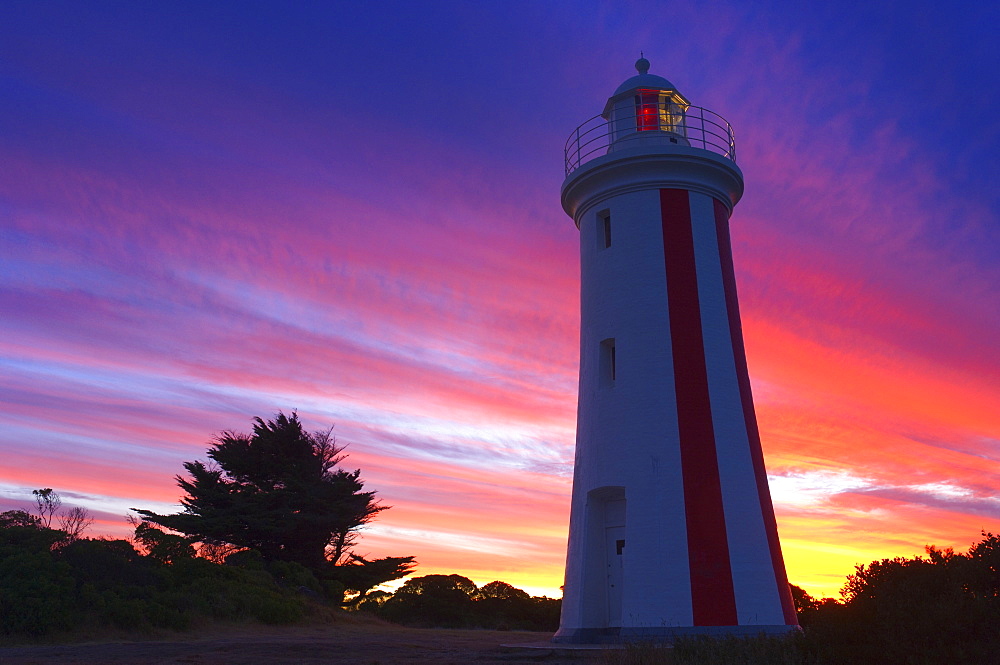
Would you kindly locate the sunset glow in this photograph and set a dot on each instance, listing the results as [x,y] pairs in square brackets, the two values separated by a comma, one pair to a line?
[209,212]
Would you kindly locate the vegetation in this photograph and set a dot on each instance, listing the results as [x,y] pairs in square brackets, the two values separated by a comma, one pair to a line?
[279,494]
[762,650]
[52,580]
[453,601]
[267,534]
[52,583]
[73,521]
[940,608]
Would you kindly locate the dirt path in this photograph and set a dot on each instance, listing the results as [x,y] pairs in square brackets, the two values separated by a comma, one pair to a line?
[339,643]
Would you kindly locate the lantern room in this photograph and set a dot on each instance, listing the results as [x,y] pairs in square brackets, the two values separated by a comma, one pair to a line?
[647,113]
[647,107]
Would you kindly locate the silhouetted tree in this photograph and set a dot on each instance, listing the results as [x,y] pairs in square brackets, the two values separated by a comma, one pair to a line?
[19,518]
[48,503]
[806,606]
[503,606]
[433,600]
[22,532]
[942,607]
[51,582]
[362,575]
[502,591]
[454,601]
[280,492]
[983,579]
[373,601]
[161,546]
[74,522]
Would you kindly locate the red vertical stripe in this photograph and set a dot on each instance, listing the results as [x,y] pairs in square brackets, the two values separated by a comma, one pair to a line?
[753,434]
[712,597]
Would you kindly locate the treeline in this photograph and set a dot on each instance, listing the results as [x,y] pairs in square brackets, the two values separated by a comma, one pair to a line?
[267,533]
[453,601]
[51,581]
[943,607]
[940,608]
[268,525]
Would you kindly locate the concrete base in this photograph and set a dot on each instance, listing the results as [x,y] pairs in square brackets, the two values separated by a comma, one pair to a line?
[602,636]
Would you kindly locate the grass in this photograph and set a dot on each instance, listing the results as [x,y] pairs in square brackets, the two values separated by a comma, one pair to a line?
[762,650]
[315,614]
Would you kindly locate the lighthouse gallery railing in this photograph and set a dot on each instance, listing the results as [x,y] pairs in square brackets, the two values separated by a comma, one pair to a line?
[697,126]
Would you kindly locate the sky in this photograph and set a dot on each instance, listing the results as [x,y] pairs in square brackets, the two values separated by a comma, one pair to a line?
[215,211]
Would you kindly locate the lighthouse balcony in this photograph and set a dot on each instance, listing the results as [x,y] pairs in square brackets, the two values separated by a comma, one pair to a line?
[691,126]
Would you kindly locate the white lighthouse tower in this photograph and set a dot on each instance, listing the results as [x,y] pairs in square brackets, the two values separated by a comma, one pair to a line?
[672,530]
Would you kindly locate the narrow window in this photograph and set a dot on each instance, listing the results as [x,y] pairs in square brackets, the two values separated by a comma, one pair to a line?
[609,362]
[606,228]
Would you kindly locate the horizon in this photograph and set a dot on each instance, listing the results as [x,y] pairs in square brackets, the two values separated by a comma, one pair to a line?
[212,213]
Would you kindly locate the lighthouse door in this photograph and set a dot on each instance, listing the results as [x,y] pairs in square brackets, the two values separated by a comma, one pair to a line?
[615,548]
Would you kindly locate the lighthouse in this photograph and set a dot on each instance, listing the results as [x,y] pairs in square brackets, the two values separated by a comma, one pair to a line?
[672,530]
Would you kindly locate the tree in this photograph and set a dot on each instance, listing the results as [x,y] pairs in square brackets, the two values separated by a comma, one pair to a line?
[160,546]
[278,491]
[48,503]
[925,609]
[983,580]
[500,605]
[455,601]
[74,522]
[433,600]
[362,575]
[19,518]
[503,591]
[21,532]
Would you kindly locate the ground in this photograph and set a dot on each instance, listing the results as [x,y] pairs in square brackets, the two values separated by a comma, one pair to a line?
[342,642]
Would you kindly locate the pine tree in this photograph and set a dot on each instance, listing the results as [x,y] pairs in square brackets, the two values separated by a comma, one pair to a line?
[279,491]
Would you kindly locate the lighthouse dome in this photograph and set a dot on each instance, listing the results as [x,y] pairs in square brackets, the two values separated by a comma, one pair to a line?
[644,80]
[646,84]
[648,81]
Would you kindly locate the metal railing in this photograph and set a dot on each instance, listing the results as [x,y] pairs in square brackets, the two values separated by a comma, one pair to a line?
[696,126]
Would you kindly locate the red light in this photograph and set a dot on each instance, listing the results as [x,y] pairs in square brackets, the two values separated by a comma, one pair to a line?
[647,111]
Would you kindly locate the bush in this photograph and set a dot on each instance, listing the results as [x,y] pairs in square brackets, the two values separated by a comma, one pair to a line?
[442,601]
[36,595]
[922,610]
[108,563]
[294,576]
[18,539]
[234,593]
[48,584]
[453,601]
[762,650]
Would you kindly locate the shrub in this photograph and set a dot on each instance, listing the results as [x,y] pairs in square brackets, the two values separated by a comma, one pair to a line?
[36,594]
[108,563]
